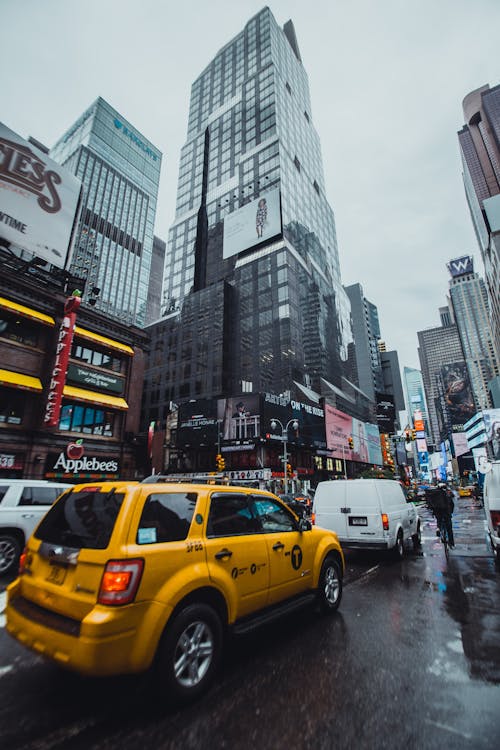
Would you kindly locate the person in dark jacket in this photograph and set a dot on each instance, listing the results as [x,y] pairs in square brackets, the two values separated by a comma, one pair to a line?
[442,505]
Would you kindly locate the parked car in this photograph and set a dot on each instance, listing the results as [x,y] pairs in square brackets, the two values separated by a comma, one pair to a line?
[23,502]
[491,499]
[367,514]
[123,577]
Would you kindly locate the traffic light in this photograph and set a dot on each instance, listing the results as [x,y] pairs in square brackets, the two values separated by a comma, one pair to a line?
[407,435]
[350,442]
[289,470]
[413,434]
[220,462]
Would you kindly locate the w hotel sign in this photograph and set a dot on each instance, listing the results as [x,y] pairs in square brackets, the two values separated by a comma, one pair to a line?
[461,266]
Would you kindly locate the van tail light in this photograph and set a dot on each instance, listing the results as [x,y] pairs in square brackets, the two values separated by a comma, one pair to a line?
[385,521]
[120,581]
[495,517]
[313,518]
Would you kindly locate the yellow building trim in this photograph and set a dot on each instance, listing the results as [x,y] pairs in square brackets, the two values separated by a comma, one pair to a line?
[27,312]
[92,397]
[18,380]
[104,341]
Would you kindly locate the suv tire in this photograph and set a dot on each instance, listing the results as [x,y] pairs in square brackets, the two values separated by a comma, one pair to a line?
[329,585]
[10,550]
[189,652]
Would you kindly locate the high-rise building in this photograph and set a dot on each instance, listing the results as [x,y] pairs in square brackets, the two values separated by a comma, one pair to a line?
[120,171]
[366,332]
[472,317]
[391,376]
[479,142]
[153,308]
[253,247]
[446,382]
[413,386]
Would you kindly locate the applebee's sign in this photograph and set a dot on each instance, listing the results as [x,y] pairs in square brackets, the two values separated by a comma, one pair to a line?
[72,461]
[63,349]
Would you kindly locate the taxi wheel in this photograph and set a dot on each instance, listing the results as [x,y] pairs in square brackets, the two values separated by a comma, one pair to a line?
[330,585]
[190,652]
[10,549]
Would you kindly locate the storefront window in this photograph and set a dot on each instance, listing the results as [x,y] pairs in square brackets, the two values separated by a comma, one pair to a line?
[11,407]
[87,419]
[18,329]
[96,358]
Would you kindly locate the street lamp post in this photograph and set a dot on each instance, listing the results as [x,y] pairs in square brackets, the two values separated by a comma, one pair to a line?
[284,435]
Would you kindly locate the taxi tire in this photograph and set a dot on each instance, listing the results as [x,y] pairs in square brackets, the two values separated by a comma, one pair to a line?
[10,551]
[330,575]
[181,629]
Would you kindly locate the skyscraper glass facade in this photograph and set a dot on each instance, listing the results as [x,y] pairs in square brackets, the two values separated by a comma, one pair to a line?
[251,134]
[120,172]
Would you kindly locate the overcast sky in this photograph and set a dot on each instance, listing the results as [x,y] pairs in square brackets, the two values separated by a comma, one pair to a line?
[387,80]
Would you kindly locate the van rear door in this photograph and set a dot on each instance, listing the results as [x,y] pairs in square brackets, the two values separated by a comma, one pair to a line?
[329,507]
[363,514]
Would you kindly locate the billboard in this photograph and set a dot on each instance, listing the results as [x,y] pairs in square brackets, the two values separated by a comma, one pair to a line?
[366,437]
[386,412]
[461,266]
[197,423]
[457,394]
[491,419]
[252,224]
[38,199]
[239,417]
[310,418]
[460,445]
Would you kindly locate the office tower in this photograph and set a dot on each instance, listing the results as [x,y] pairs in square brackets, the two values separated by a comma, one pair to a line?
[479,142]
[120,172]
[153,307]
[391,377]
[446,382]
[413,386]
[472,317]
[366,332]
[253,232]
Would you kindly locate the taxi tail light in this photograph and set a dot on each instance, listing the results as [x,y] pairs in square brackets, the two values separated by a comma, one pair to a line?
[120,581]
[385,521]
[495,517]
[22,561]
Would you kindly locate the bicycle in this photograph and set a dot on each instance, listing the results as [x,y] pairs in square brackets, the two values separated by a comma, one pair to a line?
[443,535]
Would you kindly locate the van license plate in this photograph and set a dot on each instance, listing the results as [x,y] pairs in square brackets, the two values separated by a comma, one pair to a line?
[358,521]
[57,574]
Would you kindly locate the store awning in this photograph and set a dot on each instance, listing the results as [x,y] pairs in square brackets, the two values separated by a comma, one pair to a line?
[18,380]
[26,312]
[91,397]
[104,341]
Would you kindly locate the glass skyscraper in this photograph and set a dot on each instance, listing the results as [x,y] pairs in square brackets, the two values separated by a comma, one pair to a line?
[120,172]
[252,215]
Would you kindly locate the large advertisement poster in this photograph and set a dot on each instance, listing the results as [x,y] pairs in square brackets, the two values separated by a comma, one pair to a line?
[38,199]
[197,423]
[256,222]
[239,417]
[386,412]
[457,394]
[372,437]
[491,419]
[310,418]
[366,437]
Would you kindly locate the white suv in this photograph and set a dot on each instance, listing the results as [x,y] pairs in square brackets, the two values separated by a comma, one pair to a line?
[23,503]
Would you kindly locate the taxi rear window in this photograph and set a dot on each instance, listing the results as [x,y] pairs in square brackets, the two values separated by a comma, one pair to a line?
[81,519]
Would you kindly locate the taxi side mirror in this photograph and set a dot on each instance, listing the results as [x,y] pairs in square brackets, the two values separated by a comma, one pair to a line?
[305,525]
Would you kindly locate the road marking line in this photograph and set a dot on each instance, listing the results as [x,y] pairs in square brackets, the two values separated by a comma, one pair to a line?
[449,729]
[3,605]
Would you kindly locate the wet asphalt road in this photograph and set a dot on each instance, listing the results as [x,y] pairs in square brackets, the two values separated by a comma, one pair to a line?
[411,660]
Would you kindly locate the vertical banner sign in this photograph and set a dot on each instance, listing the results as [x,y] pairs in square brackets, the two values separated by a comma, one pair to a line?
[151,432]
[58,378]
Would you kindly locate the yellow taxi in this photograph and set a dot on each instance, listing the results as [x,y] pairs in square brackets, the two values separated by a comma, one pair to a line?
[121,577]
[466,491]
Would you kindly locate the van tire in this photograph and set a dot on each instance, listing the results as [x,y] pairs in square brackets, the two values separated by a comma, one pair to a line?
[399,547]
[196,625]
[329,585]
[417,538]
[10,551]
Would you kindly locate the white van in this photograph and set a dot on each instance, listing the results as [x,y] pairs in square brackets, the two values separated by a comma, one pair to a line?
[23,503]
[491,495]
[367,514]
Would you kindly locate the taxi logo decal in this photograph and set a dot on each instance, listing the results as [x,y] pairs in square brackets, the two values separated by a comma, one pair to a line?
[296,557]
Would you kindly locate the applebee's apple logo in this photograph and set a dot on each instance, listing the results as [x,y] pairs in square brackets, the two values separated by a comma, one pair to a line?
[75,450]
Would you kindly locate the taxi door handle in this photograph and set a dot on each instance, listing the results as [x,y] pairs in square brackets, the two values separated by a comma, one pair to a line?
[278,546]
[223,554]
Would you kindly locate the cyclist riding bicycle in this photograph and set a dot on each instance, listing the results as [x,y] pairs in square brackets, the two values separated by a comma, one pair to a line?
[442,505]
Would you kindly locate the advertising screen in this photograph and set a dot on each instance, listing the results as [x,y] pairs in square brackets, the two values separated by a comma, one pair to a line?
[386,412]
[460,445]
[239,417]
[310,418]
[366,437]
[38,199]
[457,394]
[197,423]
[252,224]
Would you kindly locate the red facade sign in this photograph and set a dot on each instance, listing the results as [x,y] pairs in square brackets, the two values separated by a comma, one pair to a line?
[63,350]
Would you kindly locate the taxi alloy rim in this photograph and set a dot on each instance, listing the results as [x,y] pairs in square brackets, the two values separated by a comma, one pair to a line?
[193,654]
[332,585]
